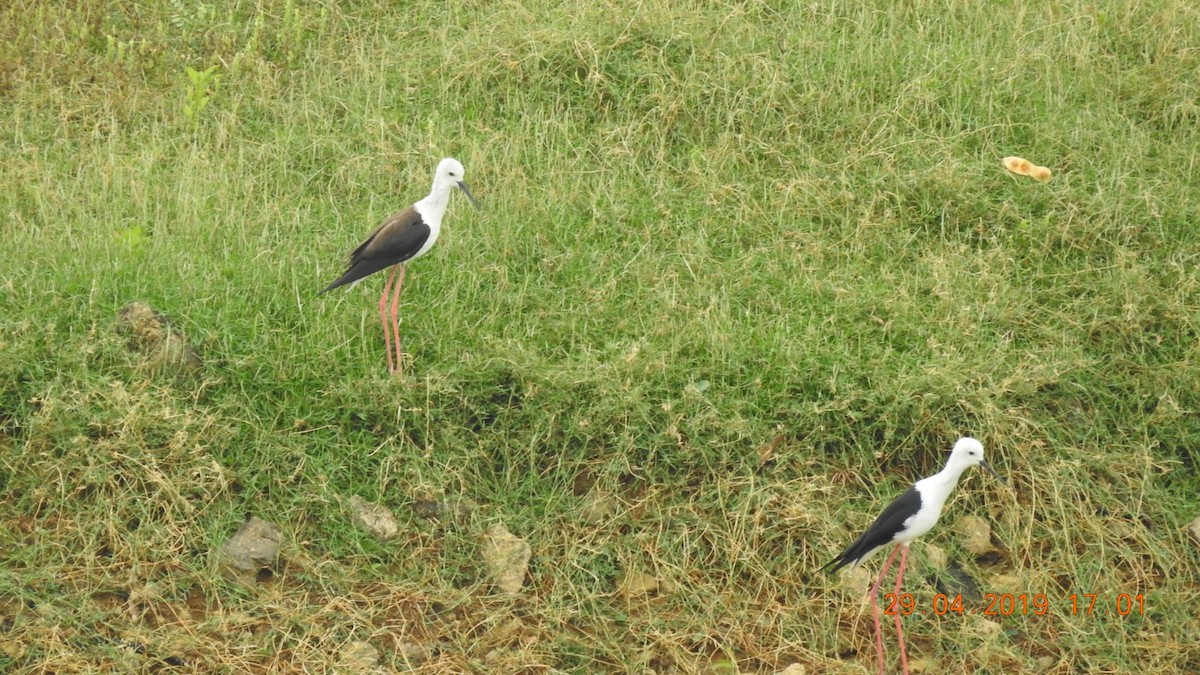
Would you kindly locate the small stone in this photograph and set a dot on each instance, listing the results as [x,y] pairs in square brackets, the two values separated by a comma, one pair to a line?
[1120,529]
[598,508]
[636,583]
[935,557]
[254,547]
[508,558]
[1194,530]
[919,665]
[13,649]
[1047,662]
[506,630]
[794,669]
[978,534]
[412,653]
[980,626]
[1006,583]
[376,519]
[358,657]
[858,581]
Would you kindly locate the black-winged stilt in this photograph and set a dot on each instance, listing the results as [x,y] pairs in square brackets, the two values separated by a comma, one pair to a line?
[909,516]
[399,238]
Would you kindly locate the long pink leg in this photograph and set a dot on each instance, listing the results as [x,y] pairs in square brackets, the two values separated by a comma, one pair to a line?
[395,323]
[383,318]
[899,632]
[875,607]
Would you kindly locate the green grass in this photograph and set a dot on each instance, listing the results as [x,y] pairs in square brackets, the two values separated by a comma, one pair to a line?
[704,225]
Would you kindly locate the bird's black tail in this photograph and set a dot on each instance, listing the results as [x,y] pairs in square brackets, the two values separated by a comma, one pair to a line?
[833,565]
[357,271]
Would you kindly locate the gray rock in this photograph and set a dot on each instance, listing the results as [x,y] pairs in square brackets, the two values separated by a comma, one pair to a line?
[253,548]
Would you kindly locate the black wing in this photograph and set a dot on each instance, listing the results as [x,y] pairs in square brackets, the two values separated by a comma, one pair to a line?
[881,532]
[395,240]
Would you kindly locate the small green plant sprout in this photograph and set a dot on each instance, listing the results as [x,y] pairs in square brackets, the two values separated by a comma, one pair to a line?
[202,86]
[129,53]
[115,49]
[132,237]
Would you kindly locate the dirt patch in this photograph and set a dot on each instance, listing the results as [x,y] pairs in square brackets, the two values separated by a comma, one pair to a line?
[163,347]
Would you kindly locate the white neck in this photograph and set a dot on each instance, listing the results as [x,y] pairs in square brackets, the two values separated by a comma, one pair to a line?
[433,207]
[939,486]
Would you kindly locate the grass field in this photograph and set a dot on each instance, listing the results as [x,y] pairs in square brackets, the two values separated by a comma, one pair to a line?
[744,271]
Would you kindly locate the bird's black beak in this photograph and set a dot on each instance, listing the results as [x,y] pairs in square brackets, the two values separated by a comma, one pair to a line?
[992,471]
[466,191]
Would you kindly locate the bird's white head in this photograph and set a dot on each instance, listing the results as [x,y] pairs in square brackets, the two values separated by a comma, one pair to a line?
[449,171]
[968,452]
[451,174]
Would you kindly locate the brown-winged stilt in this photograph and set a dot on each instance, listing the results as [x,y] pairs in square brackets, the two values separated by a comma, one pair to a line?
[399,238]
[909,516]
